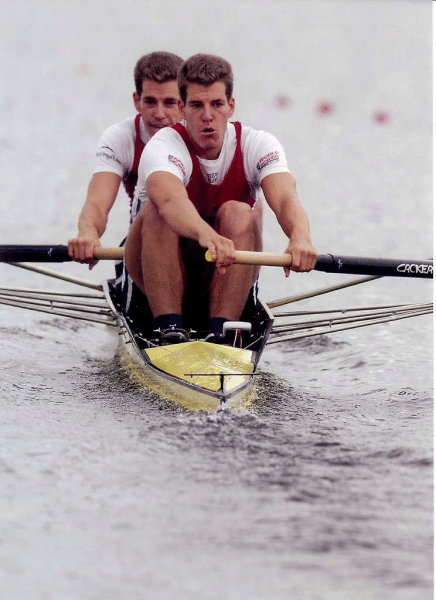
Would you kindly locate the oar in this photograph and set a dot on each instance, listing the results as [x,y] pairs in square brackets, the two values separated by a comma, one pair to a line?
[320,291]
[19,255]
[390,267]
[52,253]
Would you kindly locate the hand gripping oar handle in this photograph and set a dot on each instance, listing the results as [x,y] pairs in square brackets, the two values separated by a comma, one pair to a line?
[388,267]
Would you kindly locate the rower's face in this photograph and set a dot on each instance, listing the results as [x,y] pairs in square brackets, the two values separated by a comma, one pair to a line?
[207,112]
[158,104]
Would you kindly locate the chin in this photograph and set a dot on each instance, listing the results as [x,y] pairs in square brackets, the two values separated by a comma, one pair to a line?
[152,130]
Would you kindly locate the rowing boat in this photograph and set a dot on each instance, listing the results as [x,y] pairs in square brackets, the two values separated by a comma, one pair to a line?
[197,374]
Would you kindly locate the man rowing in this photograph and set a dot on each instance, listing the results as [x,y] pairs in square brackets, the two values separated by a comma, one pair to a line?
[197,187]
[155,98]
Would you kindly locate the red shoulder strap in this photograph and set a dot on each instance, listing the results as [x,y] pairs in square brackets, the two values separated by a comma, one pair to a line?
[185,137]
[139,144]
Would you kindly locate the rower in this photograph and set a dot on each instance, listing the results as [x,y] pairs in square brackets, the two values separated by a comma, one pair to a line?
[198,189]
[155,98]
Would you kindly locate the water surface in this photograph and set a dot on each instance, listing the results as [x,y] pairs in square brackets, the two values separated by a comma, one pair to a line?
[322,490]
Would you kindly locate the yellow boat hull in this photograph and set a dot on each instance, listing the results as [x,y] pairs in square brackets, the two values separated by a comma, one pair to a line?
[196,375]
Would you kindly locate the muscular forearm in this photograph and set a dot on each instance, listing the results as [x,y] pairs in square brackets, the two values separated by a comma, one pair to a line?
[171,200]
[289,212]
[102,191]
[281,194]
[183,218]
[92,221]
[294,222]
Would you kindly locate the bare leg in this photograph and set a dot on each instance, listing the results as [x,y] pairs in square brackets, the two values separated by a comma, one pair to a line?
[153,261]
[243,225]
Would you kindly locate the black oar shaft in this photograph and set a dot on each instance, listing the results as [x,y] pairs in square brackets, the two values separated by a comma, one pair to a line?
[375,266]
[34,253]
[27,253]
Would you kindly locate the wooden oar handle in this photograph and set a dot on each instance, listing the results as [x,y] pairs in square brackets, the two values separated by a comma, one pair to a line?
[243,257]
[108,253]
[266,259]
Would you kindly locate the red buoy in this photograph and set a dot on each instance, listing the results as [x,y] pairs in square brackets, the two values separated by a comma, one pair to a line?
[282,101]
[325,108]
[381,116]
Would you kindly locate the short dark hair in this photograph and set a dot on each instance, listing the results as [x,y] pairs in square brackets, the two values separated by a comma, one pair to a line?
[157,66]
[205,69]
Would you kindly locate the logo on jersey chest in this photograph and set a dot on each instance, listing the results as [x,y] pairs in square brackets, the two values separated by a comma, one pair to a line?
[212,177]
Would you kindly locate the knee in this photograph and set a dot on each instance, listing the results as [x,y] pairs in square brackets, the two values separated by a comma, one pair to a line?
[149,215]
[135,232]
[153,226]
[235,219]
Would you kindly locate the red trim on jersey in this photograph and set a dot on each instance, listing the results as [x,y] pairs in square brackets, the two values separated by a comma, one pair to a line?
[131,178]
[208,197]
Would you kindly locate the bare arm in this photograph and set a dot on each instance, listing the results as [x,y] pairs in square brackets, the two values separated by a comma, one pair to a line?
[169,195]
[102,191]
[281,194]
